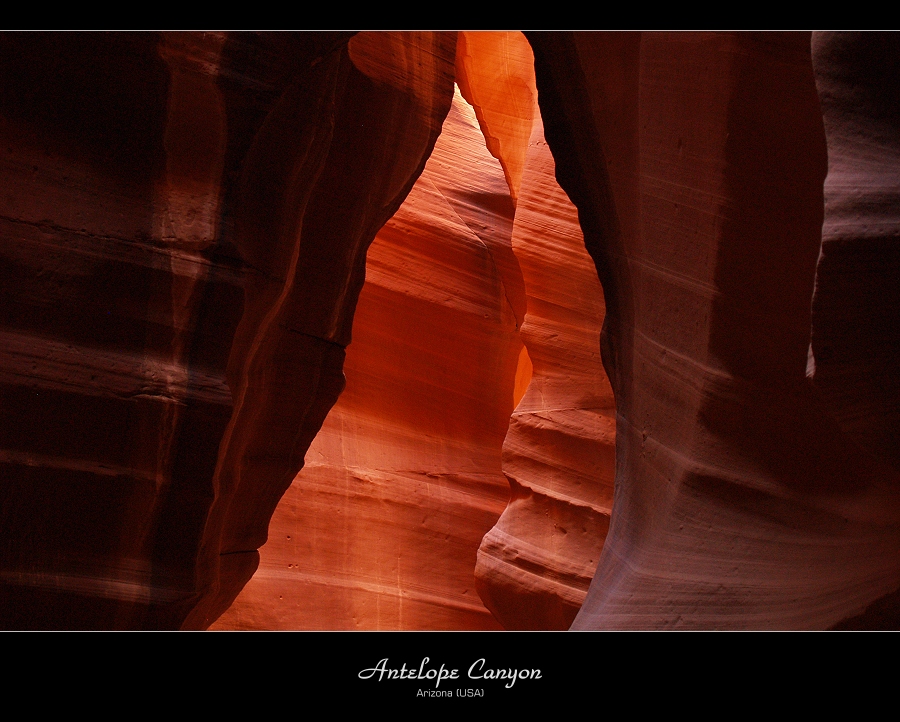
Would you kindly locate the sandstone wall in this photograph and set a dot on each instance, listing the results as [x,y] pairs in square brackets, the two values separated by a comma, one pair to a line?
[697,163]
[380,529]
[184,232]
[535,565]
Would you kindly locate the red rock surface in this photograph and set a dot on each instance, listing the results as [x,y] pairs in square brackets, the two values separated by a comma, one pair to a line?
[535,565]
[285,363]
[384,567]
[856,306]
[495,73]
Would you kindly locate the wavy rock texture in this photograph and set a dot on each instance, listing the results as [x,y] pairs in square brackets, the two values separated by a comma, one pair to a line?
[383,566]
[380,529]
[697,164]
[535,565]
[183,234]
[335,191]
[495,74]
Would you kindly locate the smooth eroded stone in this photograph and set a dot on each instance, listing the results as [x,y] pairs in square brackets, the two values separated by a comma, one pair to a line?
[697,163]
[535,565]
[183,230]
[380,529]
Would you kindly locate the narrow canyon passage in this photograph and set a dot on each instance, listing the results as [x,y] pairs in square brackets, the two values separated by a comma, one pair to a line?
[478,288]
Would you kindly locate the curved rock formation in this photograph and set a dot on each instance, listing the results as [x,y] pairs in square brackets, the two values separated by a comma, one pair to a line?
[559,452]
[856,306]
[380,567]
[535,565]
[184,232]
[697,164]
[337,182]
[380,529]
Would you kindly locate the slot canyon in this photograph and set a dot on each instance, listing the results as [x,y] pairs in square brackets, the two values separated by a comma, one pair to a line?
[450,330]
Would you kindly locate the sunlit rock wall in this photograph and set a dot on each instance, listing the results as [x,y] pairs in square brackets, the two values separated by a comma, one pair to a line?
[380,529]
[535,565]
[184,231]
[373,533]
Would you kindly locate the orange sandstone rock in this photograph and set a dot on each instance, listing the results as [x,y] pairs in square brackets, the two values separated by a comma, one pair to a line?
[535,565]
[495,73]
[378,443]
[184,232]
[380,529]
[336,183]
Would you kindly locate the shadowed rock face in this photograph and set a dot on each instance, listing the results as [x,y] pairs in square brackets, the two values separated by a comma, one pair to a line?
[184,236]
[184,232]
[856,306]
[697,162]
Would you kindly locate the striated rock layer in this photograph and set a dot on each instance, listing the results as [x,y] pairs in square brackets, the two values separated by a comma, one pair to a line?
[183,233]
[408,460]
[380,529]
[535,565]
[697,161]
